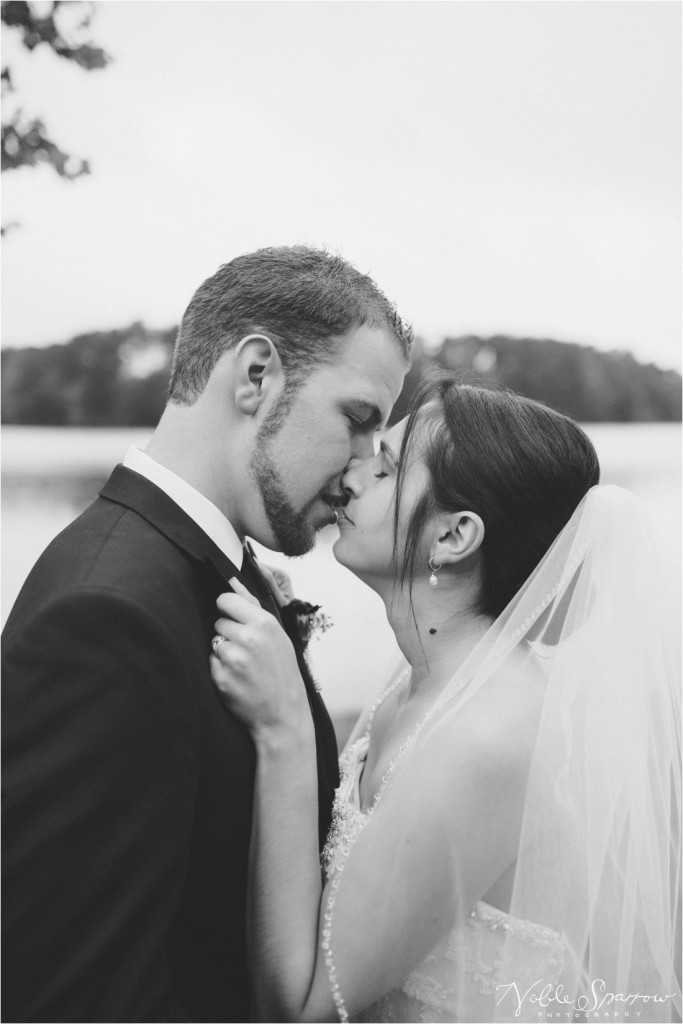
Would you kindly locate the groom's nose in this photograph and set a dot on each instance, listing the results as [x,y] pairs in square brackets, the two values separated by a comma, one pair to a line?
[363,447]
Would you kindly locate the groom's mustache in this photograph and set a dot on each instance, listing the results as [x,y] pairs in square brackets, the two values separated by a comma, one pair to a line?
[336,499]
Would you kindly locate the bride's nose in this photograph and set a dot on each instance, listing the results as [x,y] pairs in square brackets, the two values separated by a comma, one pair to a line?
[350,480]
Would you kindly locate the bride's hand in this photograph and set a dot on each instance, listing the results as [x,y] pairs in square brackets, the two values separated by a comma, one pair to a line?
[255,668]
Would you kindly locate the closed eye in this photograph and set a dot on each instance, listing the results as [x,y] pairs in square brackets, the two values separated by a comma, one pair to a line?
[363,415]
[380,475]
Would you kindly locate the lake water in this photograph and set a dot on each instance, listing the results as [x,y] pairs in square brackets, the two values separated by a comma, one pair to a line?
[50,475]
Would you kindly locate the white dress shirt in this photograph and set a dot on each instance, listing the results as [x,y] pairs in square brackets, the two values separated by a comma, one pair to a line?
[204,513]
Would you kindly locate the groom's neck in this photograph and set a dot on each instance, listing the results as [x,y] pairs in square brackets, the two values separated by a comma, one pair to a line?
[190,447]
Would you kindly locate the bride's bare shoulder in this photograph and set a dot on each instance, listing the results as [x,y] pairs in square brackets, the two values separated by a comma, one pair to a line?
[500,721]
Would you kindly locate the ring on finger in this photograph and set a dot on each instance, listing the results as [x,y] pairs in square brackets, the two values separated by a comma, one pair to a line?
[215,643]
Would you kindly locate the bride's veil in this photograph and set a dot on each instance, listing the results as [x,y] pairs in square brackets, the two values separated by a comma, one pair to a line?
[591,643]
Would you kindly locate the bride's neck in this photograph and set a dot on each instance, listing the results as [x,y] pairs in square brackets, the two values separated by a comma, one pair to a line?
[436,630]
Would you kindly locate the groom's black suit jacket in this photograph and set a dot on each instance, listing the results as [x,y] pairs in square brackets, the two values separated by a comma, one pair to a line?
[127,785]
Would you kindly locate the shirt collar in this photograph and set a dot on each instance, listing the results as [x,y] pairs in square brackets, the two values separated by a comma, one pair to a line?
[202,511]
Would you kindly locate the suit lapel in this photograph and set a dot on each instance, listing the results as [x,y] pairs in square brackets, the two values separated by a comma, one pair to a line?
[140,495]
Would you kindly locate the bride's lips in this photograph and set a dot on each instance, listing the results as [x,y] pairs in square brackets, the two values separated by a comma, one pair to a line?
[344,517]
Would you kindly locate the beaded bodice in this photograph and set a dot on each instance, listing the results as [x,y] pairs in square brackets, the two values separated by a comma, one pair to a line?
[347,818]
[471,953]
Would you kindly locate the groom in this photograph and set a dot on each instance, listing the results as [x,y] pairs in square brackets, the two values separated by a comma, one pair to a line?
[128,787]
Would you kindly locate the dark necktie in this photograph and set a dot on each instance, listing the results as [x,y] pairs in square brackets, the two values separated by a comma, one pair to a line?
[256,582]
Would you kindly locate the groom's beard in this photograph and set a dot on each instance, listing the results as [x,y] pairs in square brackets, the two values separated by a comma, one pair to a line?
[293,530]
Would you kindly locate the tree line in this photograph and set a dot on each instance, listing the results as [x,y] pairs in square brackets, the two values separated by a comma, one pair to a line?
[120,378]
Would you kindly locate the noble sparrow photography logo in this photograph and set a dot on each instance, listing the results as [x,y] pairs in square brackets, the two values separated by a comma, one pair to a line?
[600,1003]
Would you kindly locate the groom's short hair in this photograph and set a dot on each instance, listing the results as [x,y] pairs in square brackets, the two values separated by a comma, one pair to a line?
[302,298]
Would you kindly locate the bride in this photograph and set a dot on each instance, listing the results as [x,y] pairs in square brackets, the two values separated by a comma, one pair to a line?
[505,837]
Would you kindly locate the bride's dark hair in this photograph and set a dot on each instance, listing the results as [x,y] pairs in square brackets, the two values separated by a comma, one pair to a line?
[519,465]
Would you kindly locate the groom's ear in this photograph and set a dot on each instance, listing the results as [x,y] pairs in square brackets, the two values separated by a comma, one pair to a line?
[258,373]
[458,535]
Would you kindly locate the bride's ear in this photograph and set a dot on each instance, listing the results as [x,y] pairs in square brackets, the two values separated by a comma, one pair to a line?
[458,535]
[257,372]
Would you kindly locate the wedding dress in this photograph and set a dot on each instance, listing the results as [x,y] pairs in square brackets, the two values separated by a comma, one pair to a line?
[591,929]
[427,993]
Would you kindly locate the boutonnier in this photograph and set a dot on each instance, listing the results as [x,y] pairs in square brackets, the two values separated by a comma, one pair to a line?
[305,620]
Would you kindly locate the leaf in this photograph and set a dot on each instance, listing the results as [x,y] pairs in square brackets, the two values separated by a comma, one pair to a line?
[26,145]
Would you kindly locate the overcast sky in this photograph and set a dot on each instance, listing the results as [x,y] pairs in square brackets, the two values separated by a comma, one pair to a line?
[496,166]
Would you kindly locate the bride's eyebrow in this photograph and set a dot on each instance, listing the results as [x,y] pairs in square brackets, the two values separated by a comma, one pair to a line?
[386,450]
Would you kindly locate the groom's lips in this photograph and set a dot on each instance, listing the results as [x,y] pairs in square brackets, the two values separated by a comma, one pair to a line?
[332,513]
[335,503]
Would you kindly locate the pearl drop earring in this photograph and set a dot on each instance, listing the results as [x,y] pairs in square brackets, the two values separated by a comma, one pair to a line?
[433,581]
